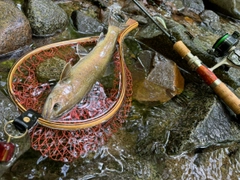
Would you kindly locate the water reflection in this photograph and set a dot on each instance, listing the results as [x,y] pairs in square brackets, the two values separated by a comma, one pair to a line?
[216,164]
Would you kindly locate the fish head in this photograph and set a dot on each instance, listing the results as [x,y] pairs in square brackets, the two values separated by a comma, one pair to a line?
[60,98]
[58,102]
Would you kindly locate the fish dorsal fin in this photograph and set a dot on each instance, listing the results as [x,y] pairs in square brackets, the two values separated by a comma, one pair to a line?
[66,71]
[81,51]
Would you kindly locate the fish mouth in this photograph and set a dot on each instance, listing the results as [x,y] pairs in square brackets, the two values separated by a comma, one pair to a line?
[51,111]
[45,114]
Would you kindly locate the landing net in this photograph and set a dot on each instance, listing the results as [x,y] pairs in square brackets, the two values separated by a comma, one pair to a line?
[86,133]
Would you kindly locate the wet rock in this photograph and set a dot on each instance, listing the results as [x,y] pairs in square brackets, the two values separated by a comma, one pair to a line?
[8,1]
[145,61]
[211,20]
[5,67]
[100,3]
[196,45]
[217,127]
[234,73]
[86,24]
[149,31]
[46,17]
[50,69]
[218,162]
[140,19]
[195,6]
[177,5]
[162,83]
[228,7]
[15,30]
[195,119]
[132,8]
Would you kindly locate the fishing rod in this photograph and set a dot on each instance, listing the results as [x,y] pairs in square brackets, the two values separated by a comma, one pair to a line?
[227,96]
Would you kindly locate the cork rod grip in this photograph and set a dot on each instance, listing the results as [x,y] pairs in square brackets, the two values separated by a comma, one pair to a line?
[181,48]
[230,99]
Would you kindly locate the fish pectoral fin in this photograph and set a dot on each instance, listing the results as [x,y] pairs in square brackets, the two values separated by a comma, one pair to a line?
[66,71]
[81,51]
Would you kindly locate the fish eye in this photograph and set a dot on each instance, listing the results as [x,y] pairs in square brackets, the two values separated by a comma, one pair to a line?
[56,106]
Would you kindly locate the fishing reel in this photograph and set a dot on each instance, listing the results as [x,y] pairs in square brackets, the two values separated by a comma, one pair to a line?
[225,47]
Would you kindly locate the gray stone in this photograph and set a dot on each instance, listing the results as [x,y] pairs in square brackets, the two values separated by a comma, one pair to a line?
[217,127]
[46,17]
[195,119]
[15,30]
[229,7]
[140,19]
[162,83]
[211,20]
[218,162]
[196,6]
[50,69]
[149,31]
[86,24]
[8,1]
[145,59]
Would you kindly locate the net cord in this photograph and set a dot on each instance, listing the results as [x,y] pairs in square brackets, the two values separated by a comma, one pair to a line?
[132,24]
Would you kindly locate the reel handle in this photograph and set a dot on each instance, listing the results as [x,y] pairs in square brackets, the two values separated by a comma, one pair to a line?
[229,98]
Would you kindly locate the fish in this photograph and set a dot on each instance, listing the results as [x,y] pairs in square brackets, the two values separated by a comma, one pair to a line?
[77,80]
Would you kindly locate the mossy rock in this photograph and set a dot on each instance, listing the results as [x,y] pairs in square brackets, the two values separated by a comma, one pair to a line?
[46,17]
[50,69]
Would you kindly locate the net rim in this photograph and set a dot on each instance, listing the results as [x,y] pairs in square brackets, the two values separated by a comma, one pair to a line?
[57,125]
[99,119]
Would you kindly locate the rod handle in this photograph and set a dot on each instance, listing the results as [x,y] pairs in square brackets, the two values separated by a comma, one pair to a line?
[181,49]
[228,97]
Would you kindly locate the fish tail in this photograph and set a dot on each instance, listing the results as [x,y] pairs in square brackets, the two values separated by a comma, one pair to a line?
[118,18]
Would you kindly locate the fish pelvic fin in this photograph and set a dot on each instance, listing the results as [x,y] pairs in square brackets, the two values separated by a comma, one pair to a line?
[66,71]
[118,18]
[81,51]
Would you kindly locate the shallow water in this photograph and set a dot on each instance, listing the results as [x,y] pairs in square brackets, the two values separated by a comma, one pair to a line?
[123,156]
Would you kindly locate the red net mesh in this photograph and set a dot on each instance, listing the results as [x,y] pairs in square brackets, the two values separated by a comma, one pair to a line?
[62,145]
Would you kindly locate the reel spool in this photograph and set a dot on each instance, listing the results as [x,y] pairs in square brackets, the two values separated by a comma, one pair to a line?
[224,44]
[225,47]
